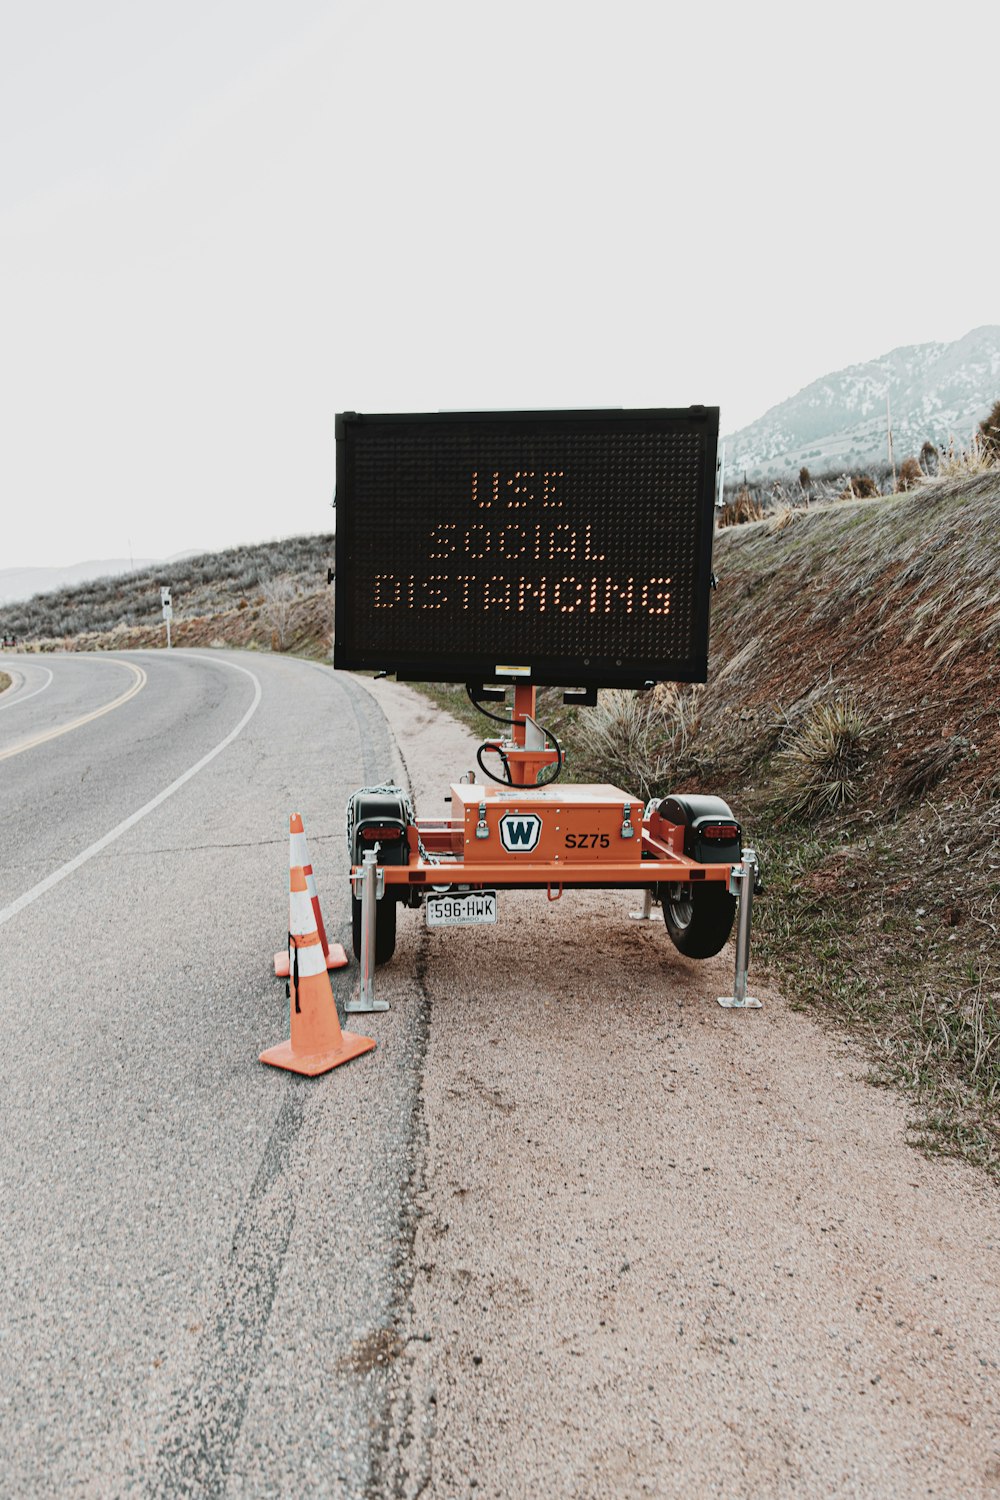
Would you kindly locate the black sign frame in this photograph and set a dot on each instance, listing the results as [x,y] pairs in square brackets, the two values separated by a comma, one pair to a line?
[361,512]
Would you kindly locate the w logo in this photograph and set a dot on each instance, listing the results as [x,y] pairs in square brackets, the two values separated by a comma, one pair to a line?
[520,832]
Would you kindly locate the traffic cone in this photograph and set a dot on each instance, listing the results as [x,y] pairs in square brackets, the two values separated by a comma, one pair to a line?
[317,1043]
[298,854]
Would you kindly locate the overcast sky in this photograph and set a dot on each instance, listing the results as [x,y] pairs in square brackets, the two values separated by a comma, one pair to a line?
[222,222]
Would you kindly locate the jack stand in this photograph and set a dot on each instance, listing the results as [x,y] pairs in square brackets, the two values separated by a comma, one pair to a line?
[372,885]
[647,908]
[742,880]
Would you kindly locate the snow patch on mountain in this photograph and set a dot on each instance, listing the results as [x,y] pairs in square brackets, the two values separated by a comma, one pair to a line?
[936,393]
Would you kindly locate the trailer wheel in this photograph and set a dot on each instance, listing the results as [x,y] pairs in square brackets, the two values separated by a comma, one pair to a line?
[698,918]
[385,928]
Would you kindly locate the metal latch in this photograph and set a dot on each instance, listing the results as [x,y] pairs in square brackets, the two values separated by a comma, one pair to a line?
[628,832]
[482,827]
[358,877]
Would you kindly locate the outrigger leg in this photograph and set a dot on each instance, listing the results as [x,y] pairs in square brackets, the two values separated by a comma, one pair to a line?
[645,915]
[369,879]
[742,881]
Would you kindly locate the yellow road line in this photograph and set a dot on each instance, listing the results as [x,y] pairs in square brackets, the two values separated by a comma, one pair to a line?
[53,734]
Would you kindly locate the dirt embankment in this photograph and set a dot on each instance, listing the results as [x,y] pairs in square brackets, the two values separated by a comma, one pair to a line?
[667,1249]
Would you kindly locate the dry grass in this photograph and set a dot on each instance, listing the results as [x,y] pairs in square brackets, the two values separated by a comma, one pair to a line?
[979,458]
[784,515]
[860,487]
[937,545]
[5,682]
[743,508]
[924,768]
[640,741]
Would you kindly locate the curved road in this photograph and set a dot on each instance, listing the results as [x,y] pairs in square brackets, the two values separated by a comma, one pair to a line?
[201,1256]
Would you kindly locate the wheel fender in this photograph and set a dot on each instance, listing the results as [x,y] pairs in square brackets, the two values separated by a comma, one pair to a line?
[696,813]
[369,809]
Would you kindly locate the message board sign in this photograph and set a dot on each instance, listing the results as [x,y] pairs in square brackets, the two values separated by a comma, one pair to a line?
[568,548]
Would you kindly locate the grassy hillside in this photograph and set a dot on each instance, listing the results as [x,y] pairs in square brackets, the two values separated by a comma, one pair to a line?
[852,719]
[273,595]
[854,711]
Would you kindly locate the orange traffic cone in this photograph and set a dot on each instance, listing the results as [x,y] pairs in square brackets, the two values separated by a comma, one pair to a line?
[298,854]
[317,1043]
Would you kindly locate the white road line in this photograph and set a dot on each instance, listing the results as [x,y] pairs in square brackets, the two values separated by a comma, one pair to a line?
[72,865]
[33,694]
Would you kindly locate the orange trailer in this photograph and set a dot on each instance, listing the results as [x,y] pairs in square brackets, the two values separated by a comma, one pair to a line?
[527,549]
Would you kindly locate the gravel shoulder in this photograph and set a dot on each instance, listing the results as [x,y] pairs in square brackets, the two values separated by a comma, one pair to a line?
[665,1249]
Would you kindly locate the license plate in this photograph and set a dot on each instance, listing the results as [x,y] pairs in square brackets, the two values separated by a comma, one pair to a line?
[464,909]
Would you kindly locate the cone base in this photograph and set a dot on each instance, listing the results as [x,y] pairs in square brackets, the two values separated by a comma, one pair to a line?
[312,1063]
[336,958]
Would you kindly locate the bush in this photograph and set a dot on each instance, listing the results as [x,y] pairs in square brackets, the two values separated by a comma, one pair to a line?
[279,595]
[989,432]
[820,765]
[745,507]
[910,474]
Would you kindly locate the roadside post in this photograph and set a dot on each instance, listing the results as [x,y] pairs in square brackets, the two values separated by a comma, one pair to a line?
[168,611]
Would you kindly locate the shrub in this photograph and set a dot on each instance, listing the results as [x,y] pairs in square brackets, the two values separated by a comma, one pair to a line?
[989,433]
[745,507]
[805,479]
[821,763]
[910,474]
[279,594]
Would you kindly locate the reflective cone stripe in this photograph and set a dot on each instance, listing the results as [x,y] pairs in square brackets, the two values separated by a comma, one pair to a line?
[301,922]
[298,858]
[298,855]
[317,1043]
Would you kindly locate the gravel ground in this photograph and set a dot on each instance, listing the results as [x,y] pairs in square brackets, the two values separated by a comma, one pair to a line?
[663,1248]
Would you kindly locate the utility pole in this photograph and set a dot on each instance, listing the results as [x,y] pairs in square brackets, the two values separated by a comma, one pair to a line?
[888,428]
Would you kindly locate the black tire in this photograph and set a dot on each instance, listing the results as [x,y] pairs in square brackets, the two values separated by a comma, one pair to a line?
[699,918]
[385,929]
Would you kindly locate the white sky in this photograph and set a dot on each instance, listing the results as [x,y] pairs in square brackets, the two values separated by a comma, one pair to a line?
[223,221]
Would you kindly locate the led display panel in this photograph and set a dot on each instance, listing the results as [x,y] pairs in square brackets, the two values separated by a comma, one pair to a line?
[568,548]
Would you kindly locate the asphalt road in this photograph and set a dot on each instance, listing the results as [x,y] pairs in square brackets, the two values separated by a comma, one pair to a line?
[202,1257]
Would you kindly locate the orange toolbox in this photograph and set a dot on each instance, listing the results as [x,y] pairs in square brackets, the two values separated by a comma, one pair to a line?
[558,825]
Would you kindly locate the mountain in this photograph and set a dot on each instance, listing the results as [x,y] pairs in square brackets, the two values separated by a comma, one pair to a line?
[17,584]
[936,392]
